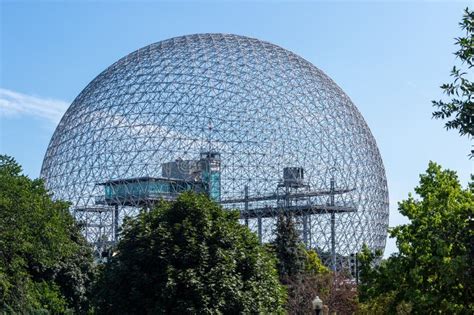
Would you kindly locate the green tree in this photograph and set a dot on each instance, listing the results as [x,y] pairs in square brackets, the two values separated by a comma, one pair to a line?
[459,110]
[189,257]
[306,277]
[313,264]
[45,263]
[288,248]
[432,272]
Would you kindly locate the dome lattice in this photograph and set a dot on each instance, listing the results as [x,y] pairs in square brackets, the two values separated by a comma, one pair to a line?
[285,136]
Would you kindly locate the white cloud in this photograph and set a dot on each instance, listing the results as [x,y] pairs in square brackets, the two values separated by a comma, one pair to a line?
[15,104]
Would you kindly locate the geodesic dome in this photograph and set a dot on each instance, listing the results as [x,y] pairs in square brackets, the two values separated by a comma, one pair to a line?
[286,136]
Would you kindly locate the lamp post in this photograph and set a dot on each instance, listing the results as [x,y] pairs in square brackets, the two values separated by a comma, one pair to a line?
[317,305]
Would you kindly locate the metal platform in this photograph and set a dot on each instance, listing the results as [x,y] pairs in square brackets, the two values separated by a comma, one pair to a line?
[269,212]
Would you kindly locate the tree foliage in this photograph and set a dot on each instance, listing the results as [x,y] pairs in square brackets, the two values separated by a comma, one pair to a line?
[459,110]
[313,264]
[306,277]
[45,264]
[288,248]
[189,256]
[433,270]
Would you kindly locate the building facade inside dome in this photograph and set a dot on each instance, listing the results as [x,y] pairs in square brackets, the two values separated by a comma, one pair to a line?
[256,127]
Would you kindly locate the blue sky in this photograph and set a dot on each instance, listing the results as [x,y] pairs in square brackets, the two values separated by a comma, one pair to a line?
[389,57]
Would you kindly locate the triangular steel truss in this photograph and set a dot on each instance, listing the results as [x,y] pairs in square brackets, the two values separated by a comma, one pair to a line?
[260,106]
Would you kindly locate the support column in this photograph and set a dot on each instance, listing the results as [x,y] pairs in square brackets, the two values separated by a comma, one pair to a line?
[333,227]
[116,223]
[246,193]
[305,230]
[259,229]
[310,235]
[357,268]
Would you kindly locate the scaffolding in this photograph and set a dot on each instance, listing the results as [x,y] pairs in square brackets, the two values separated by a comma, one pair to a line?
[293,197]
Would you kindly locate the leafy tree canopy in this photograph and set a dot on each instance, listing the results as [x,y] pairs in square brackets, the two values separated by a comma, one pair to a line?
[314,265]
[306,277]
[288,247]
[460,109]
[433,270]
[189,256]
[45,264]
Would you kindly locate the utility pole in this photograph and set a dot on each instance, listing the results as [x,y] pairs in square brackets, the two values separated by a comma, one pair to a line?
[246,193]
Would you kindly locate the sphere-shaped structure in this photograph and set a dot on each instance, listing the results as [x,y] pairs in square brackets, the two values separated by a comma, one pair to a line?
[257,127]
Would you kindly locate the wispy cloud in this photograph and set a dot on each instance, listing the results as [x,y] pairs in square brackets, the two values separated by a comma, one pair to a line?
[17,104]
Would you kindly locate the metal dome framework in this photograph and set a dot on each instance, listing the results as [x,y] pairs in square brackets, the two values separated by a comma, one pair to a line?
[255,126]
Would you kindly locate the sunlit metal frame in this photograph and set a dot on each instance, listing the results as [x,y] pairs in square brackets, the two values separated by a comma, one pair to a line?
[260,106]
